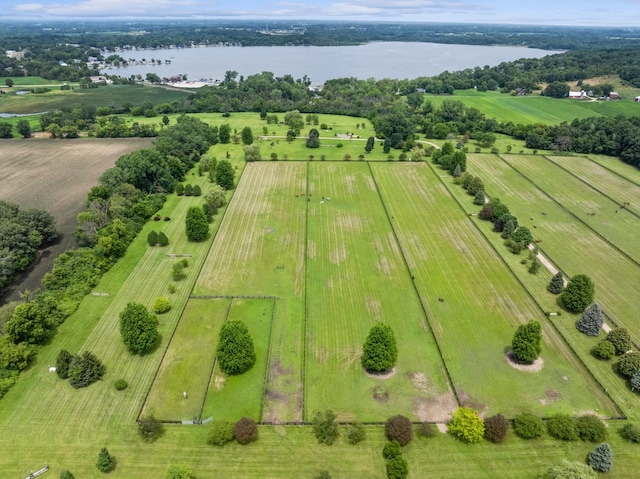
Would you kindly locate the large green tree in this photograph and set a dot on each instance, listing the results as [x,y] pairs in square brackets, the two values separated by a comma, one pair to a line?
[247,136]
[578,294]
[380,351]
[235,353]
[527,342]
[139,329]
[196,224]
[225,174]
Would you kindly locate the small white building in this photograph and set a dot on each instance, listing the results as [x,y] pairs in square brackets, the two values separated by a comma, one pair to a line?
[637,99]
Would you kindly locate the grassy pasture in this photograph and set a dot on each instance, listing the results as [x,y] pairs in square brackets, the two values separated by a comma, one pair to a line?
[569,244]
[356,276]
[585,201]
[111,95]
[232,397]
[259,250]
[616,166]
[449,259]
[618,188]
[187,363]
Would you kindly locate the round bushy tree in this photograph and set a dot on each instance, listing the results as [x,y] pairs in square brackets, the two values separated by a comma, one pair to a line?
[179,189]
[139,329]
[522,235]
[62,363]
[620,339]
[495,428]
[325,427]
[197,191]
[355,433]
[562,426]
[397,468]
[105,461]
[399,428]
[247,135]
[180,471]
[152,238]
[235,351]
[630,432]
[591,320]
[578,294]
[162,239]
[591,428]
[557,283]
[527,342]
[467,425]
[604,350]
[245,431]
[188,190]
[221,433]
[601,458]
[528,426]
[224,174]
[629,364]
[161,305]
[570,470]
[380,351]
[85,369]
[150,428]
[196,224]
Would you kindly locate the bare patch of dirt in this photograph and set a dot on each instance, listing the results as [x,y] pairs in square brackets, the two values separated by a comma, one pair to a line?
[534,367]
[384,375]
[437,409]
[551,395]
[277,369]
[381,394]
[419,380]
[467,400]
[218,382]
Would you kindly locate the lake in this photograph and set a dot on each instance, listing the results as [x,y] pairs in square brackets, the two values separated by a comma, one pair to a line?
[397,60]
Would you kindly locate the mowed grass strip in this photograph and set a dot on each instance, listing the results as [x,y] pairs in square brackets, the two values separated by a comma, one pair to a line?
[619,189]
[356,276]
[233,397]
[618,167]
[474,302]
[188,362]
[573,247]
[603,215]
[259,250]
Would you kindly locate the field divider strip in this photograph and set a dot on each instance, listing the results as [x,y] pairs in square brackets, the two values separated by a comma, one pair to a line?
[571,213]
[589,185]
[268,361]
[415,287]
[547,318]
[303,369]
[619,175]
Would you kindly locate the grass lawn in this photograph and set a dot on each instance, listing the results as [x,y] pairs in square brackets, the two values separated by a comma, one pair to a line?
[356,276]
[616,166]
[449,258]
[187,363]
[233,397]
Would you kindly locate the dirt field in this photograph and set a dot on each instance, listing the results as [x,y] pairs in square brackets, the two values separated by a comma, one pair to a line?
[55,175]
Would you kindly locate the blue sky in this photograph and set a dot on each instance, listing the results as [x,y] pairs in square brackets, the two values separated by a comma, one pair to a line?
[549,12]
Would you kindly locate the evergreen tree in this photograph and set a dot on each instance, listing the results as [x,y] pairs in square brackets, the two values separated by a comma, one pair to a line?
[591,321]
[557,283]
[380,351]
[526,344]
[236,353]
[62,363]
[370,144]
[479,198]
[225,175]
[139,329]
[247,136]
[188,190]
[601,458]
[620,339]
[196,190]
[85,369]
[105,461]
[152,238]
[196,224]
[162,239]
[635,381]
[535,265]
[507,229]
[179,189]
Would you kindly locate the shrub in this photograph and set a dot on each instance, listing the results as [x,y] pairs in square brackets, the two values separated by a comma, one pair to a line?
[562,426]
[495,428]
[467,425]
[171,288]
[85,370]
[391,449]
[557,283]
[427,429]
[180,472]
[66,474]
[196,224]
[167,218]
[630,432]
[635,381]
[355,433]
[221,433]
[152,237]
[578,294]
[161,305]
[570,470]
[604,350]
[526,343]
[397,468]
[380,351]
[325,427]
[591,321]
[179,189]
[120,384]
[399,428]
[62,363]
[601,458]
[245,431]
[629,364]
[105,461]
[162,239]
[235,350]
[138,329]
[197,191]
[591,428]
[322,475]
[528,426]
[478,199]
[177,273]
[150,428]
[188,190]
[620,339]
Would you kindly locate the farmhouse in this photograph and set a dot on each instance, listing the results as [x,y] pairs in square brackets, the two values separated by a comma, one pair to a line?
[101,79]
[578,95]
[637,99]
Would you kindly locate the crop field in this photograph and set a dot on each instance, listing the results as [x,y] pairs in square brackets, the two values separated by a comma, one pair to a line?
[474,329]
[571,245]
